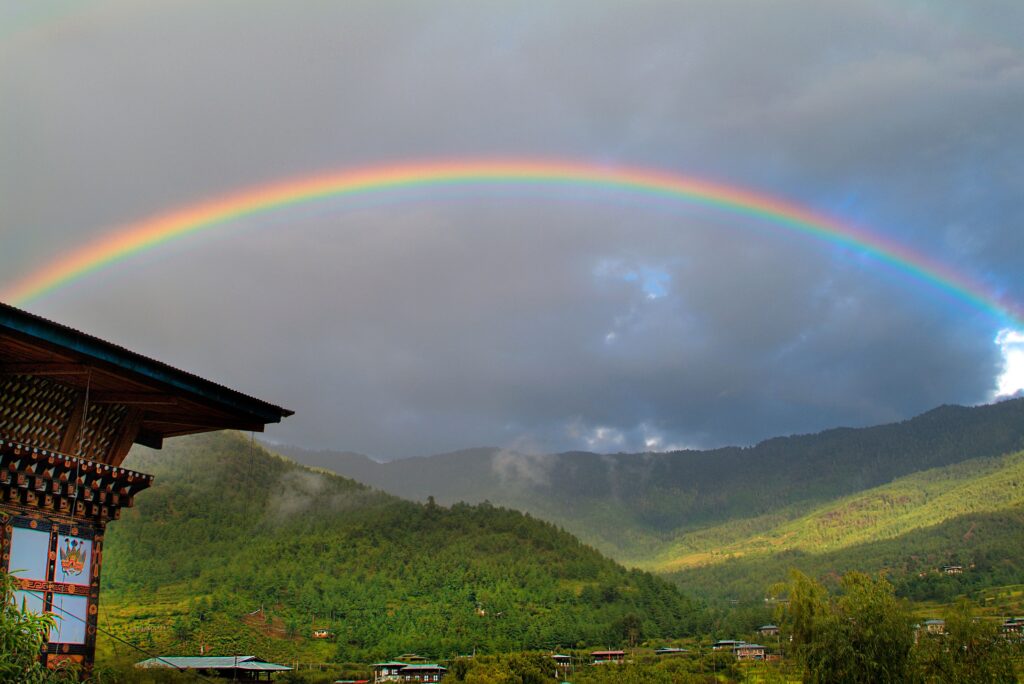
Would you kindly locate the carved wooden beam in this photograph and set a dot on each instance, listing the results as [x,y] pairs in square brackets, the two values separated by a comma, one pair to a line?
[43,369]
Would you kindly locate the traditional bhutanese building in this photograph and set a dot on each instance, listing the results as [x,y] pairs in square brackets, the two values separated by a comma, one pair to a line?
[71,406]
[601,657]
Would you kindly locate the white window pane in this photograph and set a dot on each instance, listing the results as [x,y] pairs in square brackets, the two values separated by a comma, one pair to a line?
[30,552]
[70,612]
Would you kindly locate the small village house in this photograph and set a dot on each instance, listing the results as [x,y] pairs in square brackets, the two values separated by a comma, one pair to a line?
[602,657]
[725,644]
[422,672]
[1013,626]
[749,652]
[388,672]
[768,630]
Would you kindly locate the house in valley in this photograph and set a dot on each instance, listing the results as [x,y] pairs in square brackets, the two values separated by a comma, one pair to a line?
[422,672]
[388,672]
[725,644]
[602,657]
[749,652]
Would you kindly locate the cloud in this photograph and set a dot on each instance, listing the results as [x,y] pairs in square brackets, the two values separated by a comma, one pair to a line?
[1011,379]
[412,324]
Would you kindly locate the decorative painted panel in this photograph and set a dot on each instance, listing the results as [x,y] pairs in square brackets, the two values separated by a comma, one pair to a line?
[74,556]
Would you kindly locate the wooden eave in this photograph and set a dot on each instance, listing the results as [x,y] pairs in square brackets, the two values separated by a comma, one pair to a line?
[165,401]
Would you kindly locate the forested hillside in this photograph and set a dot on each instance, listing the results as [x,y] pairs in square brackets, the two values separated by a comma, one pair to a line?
[229,529]
[913,502]
[634,505]
[989,546]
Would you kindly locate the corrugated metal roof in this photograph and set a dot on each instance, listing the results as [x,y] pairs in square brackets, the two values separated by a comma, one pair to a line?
[260,666]
[249,663]
[423,666]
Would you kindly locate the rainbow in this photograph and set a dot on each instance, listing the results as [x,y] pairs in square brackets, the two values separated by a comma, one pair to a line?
[157,230]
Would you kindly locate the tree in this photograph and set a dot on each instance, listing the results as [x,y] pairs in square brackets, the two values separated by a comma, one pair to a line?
[971,650]
[863,635]
[22,635]
[629,628]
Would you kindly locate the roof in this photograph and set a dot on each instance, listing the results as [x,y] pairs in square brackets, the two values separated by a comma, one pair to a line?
[749,646]
[597,653]
[393,663]
[934,622]
[423,666]
[768,627]
[246,663]
[172,402]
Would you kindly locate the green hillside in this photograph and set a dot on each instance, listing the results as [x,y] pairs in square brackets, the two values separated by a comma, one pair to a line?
[634,506]
[236,549]
[988,545]
[909,503]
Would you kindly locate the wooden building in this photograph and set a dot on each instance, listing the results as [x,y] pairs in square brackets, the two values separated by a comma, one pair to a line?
[388,672]
[749,652]
[1013,627]
[422,672]
[602,657]
[71,406]
[725,644]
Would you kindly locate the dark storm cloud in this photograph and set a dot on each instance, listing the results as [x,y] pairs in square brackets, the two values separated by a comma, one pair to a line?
[408,327]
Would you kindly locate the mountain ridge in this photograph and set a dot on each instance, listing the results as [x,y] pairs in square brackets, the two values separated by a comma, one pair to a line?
[630,505]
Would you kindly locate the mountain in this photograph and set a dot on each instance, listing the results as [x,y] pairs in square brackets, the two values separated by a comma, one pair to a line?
[636,506]
[236,549]
[966,514]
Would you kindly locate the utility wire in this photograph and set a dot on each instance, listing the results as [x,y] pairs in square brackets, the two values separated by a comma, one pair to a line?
[124,641]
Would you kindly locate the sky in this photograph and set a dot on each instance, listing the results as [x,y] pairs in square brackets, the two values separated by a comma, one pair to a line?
[539,320]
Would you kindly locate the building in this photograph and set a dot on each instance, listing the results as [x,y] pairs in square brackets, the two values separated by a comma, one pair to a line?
[934,626]
[748,652]
[562,660]
[411,658]
[71,406]
[602,657]
[768,630]
[1013,626]
[244,668]
[953,569]
[725,645]
[422,672]
[388,672]
[668,651]
[321,634]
